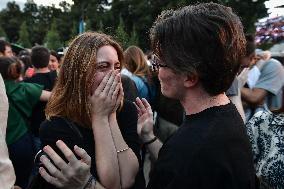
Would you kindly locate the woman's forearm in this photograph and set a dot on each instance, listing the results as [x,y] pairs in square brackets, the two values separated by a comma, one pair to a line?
[106,158]
[128,162]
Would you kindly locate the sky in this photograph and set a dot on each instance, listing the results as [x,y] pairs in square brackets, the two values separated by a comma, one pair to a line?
[39,2]
[275,11]
[269,4]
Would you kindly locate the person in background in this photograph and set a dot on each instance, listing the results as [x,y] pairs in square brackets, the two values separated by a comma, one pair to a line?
[87,109]
[54,61]
[22,99]
[5,49]
[234,92]
[138,70]
[7,174]
[266,92]
[266,133]
[197,64]
[43,76]
[129,88]
[27,70]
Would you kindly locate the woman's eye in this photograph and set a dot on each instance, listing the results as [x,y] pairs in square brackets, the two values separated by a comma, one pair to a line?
[117,68]
[102,67]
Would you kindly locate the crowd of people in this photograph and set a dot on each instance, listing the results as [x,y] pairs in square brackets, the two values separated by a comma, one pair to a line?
[271,30]
[203,110]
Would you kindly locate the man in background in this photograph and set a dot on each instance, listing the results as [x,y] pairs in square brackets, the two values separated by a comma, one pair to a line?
[5,48]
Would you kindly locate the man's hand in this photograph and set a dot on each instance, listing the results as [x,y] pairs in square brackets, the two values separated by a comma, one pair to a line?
[72,175]
[145,120]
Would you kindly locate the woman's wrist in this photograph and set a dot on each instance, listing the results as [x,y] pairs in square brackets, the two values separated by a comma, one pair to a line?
[91,183]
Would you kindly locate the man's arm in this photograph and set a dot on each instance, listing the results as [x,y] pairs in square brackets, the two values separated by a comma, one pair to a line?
[45,95]
[253,96]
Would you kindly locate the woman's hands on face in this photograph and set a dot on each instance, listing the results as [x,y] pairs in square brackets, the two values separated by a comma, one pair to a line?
[145,119]
[120,97]
[72,175]
[104,99]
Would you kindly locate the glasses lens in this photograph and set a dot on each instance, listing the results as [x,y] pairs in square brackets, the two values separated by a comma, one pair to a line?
[155,65]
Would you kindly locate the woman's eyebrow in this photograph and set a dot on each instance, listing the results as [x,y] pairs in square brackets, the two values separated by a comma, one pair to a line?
[101,62]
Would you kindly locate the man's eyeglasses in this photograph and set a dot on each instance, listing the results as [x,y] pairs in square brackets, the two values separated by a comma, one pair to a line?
[157,63]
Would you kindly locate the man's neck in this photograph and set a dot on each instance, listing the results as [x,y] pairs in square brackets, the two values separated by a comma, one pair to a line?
[195,103]
[42,70]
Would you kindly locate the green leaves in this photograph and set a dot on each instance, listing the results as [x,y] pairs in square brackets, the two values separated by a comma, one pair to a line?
[127,20]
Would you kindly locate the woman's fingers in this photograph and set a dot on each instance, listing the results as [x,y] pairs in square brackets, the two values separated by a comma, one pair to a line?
[51,168]
[113,92]
[67,152]
[83,154]
[110,83]
[50,179]
[103,83]
[59,162]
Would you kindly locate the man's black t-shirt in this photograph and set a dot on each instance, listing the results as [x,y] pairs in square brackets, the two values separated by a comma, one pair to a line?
[47,80]
[210,150]
[73,134]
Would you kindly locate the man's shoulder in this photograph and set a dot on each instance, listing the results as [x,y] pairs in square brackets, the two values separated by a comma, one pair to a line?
[271,64]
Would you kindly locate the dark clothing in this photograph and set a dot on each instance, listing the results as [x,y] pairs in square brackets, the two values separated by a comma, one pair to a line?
[129,88]
[21,154]
[210,150]
[47,80]
[58,128]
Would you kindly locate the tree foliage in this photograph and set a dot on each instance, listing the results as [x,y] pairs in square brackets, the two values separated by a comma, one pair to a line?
[52,39]
[121,35]
[2,33]
[133,40]
[24,39]
[104,15]
[11,19]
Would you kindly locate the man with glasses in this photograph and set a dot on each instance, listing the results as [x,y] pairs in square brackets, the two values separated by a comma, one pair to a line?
[198,51]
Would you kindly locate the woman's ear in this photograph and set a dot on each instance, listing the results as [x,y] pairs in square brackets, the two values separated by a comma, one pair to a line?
[190,80]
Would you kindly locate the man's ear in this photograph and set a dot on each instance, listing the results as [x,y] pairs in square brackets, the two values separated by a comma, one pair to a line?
[190,80]
[1,54]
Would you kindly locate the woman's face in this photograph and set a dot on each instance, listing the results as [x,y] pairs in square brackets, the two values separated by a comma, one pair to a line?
[53,63]
[107,60]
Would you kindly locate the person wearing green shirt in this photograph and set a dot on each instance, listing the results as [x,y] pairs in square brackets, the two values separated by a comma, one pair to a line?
[22,98]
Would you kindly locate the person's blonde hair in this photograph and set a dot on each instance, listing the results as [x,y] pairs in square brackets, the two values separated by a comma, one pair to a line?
[135,61]
[70,95]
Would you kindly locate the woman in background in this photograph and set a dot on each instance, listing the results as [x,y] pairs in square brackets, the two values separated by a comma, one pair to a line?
[266,134]
[139,71]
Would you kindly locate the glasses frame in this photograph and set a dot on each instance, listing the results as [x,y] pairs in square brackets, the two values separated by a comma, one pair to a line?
[156,64]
